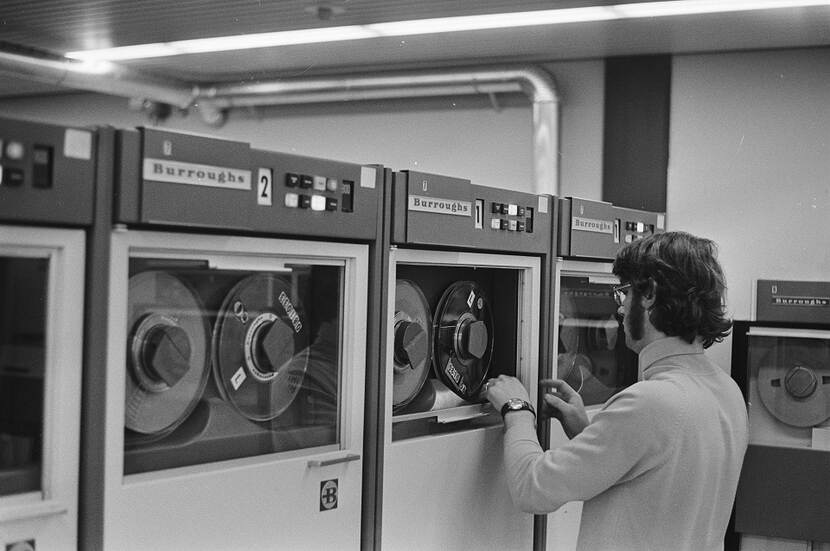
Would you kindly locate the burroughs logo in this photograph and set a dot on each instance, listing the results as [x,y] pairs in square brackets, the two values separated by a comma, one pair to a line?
[801,301]
[440,206]
[592,225]
[177,172]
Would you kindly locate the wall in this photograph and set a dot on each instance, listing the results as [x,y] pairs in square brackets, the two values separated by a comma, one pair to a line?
[749,165]
[463,136]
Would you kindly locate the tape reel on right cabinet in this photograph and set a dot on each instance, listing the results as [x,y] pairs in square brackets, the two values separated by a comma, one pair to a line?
[794,383]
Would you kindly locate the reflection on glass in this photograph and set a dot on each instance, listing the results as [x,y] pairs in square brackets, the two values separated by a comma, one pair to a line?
[23,286]
[225,364]
[593,357]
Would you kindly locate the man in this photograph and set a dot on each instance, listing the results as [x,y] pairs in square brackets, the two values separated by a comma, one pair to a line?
[658,465]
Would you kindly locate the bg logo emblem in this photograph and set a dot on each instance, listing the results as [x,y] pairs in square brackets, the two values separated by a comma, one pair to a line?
[328,494]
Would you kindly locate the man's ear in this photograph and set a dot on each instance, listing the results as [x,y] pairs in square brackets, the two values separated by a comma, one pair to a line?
[650,294]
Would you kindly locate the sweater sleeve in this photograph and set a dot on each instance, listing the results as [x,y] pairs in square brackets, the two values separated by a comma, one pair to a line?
[627,437]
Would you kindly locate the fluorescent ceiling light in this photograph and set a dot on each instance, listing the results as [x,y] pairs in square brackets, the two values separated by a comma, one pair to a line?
[438,25]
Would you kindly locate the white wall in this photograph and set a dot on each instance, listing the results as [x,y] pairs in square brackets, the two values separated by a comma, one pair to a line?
[463,137]
[750,165]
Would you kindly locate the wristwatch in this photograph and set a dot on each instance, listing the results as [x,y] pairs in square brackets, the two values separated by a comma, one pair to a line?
[516,404]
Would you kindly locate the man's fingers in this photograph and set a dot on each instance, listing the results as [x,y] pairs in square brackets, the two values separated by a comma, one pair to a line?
[559,385]
[556,402]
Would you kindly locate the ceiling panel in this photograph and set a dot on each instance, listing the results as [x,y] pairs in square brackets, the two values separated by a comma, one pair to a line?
[57,26]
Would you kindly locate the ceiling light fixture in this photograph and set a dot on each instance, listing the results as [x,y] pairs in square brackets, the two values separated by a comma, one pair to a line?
[438,25]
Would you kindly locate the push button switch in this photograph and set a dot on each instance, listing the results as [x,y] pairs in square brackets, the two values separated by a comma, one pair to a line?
[11,177]
[305,201]
[306,181]
[318,202]
[331,203]
[292,180]
[292,200]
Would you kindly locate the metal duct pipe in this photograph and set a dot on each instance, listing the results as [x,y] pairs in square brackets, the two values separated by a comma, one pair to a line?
[319,96]
[536,83]
[103,77]
[214,100]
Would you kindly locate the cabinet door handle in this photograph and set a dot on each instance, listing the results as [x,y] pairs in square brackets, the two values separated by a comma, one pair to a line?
[335,461]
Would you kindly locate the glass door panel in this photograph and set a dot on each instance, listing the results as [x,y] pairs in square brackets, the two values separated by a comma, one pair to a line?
[224,363]
[23,295]
[592,355]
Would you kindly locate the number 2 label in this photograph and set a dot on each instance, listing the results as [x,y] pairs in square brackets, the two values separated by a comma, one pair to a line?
[264,187]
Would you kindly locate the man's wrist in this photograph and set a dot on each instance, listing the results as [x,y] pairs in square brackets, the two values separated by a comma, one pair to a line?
[515,405]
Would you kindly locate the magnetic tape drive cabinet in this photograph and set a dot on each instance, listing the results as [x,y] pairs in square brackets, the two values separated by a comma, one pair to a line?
[781,361]
[588,339]
[236,356]
[47,191]
[465,298]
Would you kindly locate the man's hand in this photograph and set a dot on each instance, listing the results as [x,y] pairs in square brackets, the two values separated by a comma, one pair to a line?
[564,404]
[502,388]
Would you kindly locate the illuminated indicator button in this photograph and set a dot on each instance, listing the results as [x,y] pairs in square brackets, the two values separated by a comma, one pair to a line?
[505,224]
[306,181]
[318,202]
[496,208]
[641,227]
[521,211]
[292,180]
[305,201]
[513,225]
[331,203]
[331,184]
[319,183]
[629,238]
[513,210]
[495,223]
[14,151]
[292,200]
[520,226]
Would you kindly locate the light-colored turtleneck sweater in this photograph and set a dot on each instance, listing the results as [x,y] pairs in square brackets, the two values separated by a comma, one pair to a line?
[658,465]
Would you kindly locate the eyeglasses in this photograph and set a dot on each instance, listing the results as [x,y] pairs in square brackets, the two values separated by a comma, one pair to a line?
[619,292]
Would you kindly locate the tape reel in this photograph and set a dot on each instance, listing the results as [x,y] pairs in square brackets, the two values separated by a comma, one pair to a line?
[794,383]
[412,329]
[260,347]
[463,339]
[167,352]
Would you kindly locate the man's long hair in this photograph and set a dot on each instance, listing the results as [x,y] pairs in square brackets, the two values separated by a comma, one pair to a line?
[690,286]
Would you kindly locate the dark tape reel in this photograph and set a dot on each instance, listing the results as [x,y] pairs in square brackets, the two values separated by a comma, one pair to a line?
[167,353]
[260,347]
[463,339]
[412,327]
[794,383]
